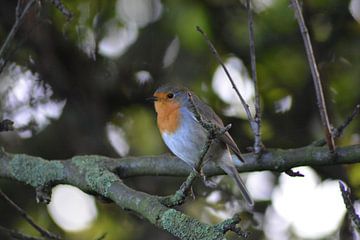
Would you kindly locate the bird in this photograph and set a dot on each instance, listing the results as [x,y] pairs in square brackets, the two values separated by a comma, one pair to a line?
[185,136]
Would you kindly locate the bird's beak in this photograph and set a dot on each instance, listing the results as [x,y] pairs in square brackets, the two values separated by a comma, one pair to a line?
[152,99]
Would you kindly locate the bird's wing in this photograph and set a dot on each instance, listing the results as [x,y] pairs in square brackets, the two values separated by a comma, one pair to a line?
[226,138]
[207,113]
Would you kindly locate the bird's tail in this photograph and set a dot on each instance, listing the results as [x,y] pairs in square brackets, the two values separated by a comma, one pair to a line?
[232,172]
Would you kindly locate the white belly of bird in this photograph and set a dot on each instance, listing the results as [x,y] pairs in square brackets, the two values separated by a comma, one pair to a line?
[187,142]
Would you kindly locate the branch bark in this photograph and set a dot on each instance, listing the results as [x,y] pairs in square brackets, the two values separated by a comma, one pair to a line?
[258,145]
[102,175]
[315,75]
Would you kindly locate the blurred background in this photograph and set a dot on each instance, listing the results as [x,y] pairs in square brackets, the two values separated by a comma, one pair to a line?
[79,87]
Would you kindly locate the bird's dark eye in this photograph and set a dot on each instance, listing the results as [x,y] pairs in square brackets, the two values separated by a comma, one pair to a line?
[170,95]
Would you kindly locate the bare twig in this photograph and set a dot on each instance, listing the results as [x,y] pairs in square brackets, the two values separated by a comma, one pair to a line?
[61,7]
[18,9]
[6,125]
[19,18]
[42,231]
[345,192]
[13,234]
[337,132]
[216,54]
[257,131]
[315,75]
[253,123]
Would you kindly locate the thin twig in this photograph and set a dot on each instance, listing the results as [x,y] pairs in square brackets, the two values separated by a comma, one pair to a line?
[315,75]
[13,234]
[217,56]
[230,225]
[43,232]
[337,132]
[345,192]
[61,7]
[257,131]
[15,27]
[18,9]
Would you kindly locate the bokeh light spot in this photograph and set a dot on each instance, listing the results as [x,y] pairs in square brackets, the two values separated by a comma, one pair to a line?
[223,88]
[314,209]
[117,139]
[72,209]
[27,100]
[354,8]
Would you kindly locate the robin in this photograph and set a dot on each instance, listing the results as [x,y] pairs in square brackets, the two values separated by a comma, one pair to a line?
[185,136]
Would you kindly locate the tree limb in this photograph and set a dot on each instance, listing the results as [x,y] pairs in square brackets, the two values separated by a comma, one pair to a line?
[100,175]
[274,160]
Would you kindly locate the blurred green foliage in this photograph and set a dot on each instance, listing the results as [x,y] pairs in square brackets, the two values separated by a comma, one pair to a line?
[98,88]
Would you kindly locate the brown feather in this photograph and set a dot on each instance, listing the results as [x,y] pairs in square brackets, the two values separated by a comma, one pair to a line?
[207,113]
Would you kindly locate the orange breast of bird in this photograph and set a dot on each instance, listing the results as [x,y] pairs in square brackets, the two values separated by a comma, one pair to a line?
[168,113]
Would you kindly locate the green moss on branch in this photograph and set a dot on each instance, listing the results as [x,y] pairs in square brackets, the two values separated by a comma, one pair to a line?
[178,224]
[97,177]
[35,171]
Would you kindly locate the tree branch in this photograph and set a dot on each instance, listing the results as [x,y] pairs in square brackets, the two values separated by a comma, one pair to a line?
[345,192]
[90,174]
[337,132]
[315,75]
[257,131]
[42,231]
[278,160]
[61,7]
[252,122]
[100,175]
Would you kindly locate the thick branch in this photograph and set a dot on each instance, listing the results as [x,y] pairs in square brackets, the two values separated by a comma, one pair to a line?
[273,160]
[90,174]
[97,174]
